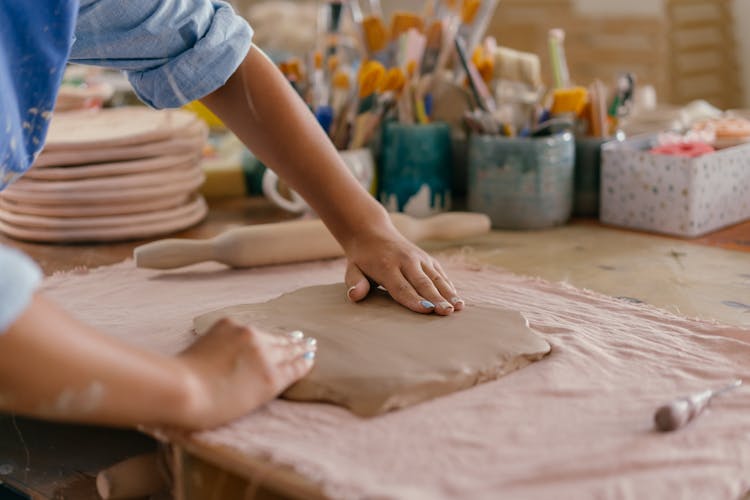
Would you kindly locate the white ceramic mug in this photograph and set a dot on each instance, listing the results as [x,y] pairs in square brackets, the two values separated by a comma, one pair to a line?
[359,161]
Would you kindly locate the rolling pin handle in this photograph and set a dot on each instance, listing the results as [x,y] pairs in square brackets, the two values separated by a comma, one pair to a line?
[173,253]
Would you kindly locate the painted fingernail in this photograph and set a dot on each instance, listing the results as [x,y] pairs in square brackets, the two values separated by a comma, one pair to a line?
[296,335]
[444,305]
[311,342]
[427,304]
[456,301]
[349,292]
[309,355]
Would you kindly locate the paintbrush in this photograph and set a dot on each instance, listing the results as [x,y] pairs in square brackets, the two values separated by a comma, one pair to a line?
[321,94]
[598,98]
[370,78]
[402,22]
[479,89]
[432,49]
[330,14]
[680,412]
[391,85]
[484,63]
[341,92]
[469,9]
[449,31]
[557,57]
[374,31]
[481,22]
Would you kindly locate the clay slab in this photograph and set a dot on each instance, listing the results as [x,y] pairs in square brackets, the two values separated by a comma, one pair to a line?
[377,356]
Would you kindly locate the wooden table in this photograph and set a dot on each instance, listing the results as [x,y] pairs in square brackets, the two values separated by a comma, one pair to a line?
[45,460]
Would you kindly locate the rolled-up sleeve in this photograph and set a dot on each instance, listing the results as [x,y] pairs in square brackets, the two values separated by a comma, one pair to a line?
[19,278]
[173,51]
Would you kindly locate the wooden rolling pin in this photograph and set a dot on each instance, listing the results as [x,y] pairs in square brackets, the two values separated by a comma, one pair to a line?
[296,241]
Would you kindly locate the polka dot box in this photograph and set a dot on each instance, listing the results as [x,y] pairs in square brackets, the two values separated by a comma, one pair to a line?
[667,194]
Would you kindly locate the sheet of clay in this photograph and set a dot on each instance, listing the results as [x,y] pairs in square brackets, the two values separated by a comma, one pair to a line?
[377,356]
[576,425]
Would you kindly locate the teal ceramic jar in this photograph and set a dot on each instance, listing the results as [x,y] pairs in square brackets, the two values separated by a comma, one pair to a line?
[415,168]
[522,183]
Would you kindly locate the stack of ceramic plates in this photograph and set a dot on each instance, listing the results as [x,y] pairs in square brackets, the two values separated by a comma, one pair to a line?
[108,175]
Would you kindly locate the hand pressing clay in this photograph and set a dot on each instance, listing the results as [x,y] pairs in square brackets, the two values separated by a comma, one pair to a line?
[377,356]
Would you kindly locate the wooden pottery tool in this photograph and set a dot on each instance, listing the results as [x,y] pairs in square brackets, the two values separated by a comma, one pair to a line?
[135,477]
[680,412]
[280,243]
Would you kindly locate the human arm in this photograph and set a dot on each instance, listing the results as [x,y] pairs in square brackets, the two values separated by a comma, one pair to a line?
[259,105]
[55,367]
[175,52]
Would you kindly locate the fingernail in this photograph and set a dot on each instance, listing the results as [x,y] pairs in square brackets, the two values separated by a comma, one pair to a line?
[309,355]
[349,292]
[444,305]
[296,335]
[427,304]
[311,342]
[456,301]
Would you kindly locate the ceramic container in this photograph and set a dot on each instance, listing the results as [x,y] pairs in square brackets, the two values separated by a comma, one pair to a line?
[521,183]
[587,176]
[359,161]
[415,169]
[674,195]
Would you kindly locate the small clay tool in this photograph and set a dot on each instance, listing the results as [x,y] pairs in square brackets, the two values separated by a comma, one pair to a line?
[679,412]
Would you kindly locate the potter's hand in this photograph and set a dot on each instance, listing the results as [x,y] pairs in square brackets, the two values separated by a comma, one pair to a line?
[234,369]
[411,276]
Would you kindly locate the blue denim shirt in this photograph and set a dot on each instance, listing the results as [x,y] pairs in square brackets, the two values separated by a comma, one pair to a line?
[173,52]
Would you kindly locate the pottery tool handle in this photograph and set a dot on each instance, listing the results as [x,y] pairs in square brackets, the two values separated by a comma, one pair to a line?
[447,226]
[134,477]
[679,412]
[296,241]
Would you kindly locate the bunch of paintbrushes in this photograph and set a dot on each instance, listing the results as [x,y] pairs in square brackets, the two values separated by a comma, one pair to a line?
[399,67]
[519,105]
[586,107]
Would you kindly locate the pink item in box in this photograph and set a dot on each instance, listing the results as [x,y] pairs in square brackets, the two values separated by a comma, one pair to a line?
[686,149]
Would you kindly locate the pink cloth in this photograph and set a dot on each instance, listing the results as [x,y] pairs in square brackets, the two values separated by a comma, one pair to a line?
[577,424]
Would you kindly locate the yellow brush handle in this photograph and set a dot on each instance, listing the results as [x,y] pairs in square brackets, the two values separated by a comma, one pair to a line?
[296,241]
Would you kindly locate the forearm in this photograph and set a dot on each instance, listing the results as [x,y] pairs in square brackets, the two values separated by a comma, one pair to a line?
[54,367]
[260,106]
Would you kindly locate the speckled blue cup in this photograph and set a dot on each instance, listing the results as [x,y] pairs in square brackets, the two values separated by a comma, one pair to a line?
[521,183]
[415,168]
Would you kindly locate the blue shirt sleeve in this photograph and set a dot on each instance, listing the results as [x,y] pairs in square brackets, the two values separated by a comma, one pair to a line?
[19,278]
[173,51]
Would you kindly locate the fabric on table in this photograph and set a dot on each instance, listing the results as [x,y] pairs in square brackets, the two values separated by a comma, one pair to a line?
[577,424]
